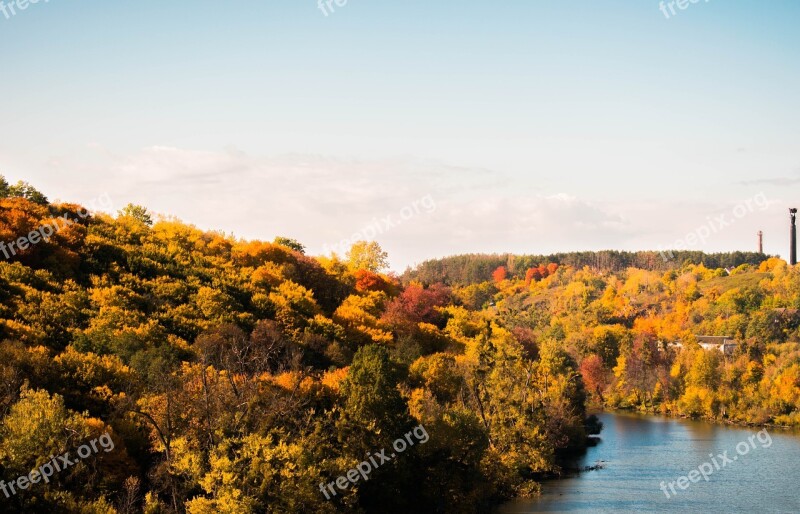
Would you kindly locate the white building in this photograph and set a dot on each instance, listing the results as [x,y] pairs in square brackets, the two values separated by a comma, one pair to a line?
[722,344]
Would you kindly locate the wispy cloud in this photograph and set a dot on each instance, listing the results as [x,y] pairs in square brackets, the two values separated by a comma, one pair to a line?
[777,181]
[320,199]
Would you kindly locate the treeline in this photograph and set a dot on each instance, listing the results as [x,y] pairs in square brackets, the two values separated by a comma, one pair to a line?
[461,270]
[244,376]
[635,334]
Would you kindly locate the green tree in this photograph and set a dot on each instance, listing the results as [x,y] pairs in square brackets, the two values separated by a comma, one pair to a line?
[371,395]
[509,405]
[294,244]
[137,212]
[39,426]
[704,371]
[367,255]
[23,190]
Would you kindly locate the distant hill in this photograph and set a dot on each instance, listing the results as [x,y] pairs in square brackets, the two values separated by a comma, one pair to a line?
[460,270]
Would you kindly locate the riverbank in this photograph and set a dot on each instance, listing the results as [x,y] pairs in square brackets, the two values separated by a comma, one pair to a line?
[669,414]
[640,451]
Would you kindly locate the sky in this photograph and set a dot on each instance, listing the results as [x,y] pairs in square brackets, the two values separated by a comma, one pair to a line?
[434,128]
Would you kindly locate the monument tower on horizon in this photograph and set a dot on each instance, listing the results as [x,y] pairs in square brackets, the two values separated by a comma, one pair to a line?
[793,237]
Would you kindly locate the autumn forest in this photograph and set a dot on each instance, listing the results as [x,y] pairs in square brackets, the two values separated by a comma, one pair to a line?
[238,376]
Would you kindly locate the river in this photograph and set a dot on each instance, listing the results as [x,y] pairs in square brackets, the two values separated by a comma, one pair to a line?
[761,474]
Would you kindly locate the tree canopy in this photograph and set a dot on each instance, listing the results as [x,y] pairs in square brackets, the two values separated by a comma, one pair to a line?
[237,376]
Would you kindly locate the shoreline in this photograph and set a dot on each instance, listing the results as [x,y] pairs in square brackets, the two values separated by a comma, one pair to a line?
[750,424]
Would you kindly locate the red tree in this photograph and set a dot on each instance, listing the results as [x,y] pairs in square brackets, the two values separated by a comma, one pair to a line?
[594,375]
[533,274]
[416,305]
[369,281]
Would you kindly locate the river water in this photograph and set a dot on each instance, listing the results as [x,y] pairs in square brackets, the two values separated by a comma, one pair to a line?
[761,474]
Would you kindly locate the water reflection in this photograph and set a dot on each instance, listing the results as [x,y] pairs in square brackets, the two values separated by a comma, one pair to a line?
[640,452]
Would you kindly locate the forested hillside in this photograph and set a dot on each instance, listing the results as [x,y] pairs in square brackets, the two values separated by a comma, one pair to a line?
[461,270]
[242,376]
[636,333]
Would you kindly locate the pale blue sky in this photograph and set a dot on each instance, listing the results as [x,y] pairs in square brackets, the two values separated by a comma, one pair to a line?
[536,126]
